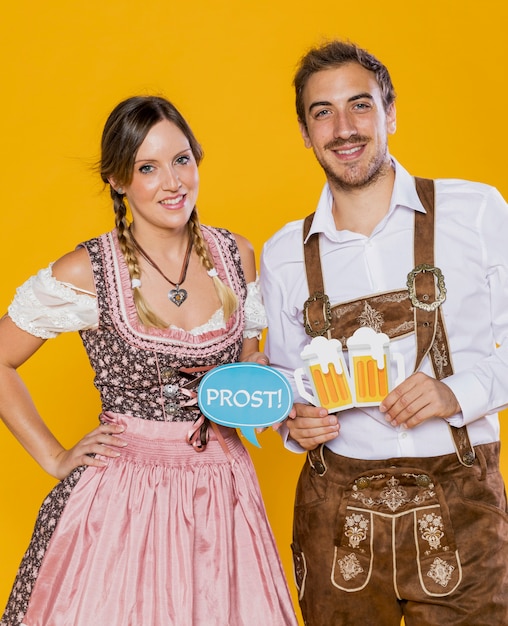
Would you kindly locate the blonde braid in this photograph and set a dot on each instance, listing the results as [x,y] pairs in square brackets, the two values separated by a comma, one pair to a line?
[226,295]
[145,314]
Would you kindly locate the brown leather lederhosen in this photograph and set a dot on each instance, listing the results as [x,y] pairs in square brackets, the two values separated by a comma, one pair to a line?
[415,308]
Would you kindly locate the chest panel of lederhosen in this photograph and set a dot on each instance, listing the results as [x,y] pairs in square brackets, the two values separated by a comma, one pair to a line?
[413,309]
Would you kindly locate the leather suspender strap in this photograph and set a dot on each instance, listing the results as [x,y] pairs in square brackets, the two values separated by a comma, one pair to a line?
[426,290]
[426,296]
[316,312]
[422,286]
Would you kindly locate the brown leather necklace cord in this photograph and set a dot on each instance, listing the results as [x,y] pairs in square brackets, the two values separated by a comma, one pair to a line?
[185,266]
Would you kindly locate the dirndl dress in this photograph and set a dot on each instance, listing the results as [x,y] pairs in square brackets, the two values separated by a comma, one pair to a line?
[163,535]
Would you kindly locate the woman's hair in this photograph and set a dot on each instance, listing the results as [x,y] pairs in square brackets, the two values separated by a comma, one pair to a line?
[124,132]
[335,54]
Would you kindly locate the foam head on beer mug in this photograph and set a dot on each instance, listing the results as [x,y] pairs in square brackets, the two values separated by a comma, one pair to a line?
[327,375]
[245,396]
[370,363]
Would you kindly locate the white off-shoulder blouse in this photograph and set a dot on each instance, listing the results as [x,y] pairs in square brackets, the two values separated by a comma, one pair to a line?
[45,307]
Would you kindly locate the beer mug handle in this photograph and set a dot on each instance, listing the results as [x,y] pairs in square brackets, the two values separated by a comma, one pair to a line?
[299,373]
[399,361]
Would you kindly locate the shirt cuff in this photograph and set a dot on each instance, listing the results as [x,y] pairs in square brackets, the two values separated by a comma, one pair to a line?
[289,443]
[470,395]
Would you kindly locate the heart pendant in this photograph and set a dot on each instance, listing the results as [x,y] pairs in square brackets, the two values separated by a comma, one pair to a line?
[177,296]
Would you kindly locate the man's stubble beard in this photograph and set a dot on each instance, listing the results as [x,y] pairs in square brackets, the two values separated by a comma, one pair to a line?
[376,169]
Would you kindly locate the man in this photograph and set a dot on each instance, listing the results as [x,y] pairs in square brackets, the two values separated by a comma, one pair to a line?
[400,508]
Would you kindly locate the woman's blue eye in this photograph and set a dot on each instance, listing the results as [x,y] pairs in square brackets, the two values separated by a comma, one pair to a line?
[183,160]
[146,169]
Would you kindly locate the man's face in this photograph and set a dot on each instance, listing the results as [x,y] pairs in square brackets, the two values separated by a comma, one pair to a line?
[347,125]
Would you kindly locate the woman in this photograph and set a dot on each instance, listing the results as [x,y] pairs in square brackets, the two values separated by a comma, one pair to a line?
[142,530]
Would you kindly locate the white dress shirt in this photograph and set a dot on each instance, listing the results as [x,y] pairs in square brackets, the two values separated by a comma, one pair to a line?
[471,249]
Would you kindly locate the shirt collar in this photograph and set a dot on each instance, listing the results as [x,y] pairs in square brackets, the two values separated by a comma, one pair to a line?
[404,195]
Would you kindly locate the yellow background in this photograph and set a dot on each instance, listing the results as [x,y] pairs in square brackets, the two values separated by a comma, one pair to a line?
[228,66]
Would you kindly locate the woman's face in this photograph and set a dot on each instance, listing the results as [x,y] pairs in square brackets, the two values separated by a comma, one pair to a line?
[165,181]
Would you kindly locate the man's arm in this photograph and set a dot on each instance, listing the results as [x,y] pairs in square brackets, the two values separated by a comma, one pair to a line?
[307,426]
[470,393]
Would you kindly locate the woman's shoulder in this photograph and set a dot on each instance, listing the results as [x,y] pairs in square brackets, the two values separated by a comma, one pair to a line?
[244,249]
[75,269]
[217,231]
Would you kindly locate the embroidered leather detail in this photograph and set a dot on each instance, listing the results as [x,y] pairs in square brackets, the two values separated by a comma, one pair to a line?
[393,495]
[349,566]
[403,509]
[390,313]
[431,529]
[370,317]
[440,353]
[440,572]
[356,528]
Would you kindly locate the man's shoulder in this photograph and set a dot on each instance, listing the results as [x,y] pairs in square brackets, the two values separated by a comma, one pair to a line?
[466,193]
[449,185]
[289,233]
[460,185]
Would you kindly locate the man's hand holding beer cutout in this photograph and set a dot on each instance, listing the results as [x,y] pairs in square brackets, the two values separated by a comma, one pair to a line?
[374,370]
[367,382]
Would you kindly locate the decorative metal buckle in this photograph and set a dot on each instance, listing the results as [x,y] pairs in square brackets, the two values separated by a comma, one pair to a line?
[327,314]
[441,296]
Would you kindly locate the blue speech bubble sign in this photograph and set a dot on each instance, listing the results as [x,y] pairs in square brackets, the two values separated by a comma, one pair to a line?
[245,396]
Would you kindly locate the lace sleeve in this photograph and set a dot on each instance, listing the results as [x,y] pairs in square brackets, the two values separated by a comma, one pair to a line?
[44,306]
[255,317]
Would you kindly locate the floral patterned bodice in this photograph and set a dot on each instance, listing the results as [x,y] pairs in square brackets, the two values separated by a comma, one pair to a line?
[143,371]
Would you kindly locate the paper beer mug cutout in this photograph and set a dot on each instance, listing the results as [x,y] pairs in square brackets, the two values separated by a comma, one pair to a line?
[326,370]
[370,361]
[366,383]
[245,396]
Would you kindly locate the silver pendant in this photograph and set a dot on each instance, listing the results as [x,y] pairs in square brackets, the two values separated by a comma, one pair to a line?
[177,296]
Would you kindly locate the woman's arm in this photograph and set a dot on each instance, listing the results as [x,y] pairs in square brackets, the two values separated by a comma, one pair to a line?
[250,349]
[17,409]
[74,268]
